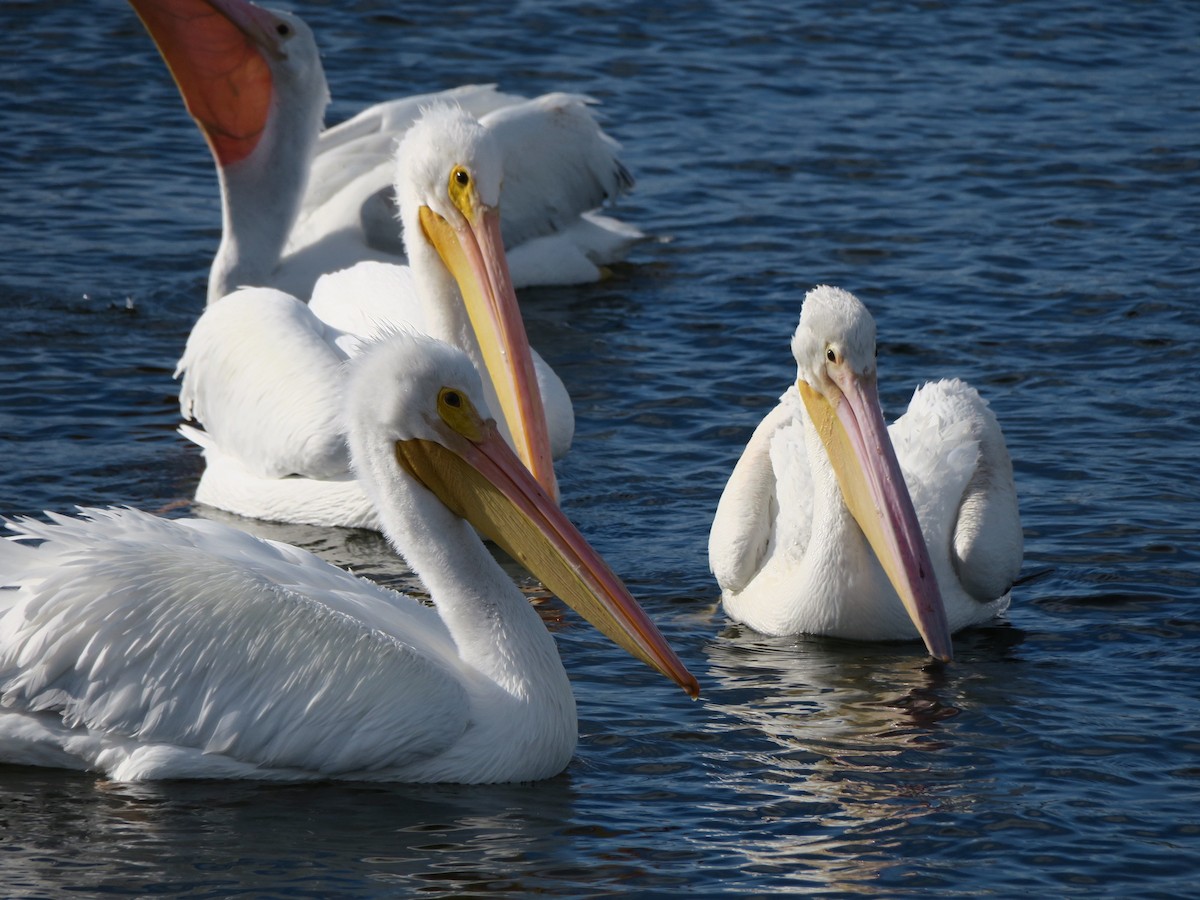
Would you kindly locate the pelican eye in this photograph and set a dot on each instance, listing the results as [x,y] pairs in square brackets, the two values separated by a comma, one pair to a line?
[282,29]
[831,355]
[461,190]
[456,410]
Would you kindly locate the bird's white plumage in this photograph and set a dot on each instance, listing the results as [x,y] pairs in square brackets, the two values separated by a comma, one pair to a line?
[960,475]
[303,202]
[262,371]
[264,376]
[558,165]
[145,648]
[789,556]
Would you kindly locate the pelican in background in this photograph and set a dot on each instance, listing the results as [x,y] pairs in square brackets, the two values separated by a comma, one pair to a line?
[263,372]
[298,202]
[832,523]
[145,648]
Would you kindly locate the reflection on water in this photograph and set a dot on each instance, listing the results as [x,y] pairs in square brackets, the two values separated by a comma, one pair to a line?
[316,840]
[854,746]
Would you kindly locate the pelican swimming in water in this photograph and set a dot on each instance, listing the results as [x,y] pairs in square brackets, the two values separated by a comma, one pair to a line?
[834,524]
[298,202]
[144,648]
[263,372]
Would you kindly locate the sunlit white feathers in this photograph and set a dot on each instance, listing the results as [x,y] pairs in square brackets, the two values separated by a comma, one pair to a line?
[786,550]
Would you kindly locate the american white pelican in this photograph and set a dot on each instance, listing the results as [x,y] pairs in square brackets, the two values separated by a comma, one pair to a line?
[834,524]
[298,202]
[262,371]
[144,648]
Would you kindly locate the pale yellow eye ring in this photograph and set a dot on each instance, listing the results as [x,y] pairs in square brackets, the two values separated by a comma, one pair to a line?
[461,191]
[456,410]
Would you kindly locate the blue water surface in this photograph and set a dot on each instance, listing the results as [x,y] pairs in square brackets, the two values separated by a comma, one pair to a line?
[1014,190]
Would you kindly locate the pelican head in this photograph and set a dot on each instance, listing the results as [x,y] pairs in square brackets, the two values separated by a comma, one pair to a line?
[448,179]
[238,65]
[834,346]
[421,417]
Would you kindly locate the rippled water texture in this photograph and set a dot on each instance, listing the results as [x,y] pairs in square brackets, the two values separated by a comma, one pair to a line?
[1014,190]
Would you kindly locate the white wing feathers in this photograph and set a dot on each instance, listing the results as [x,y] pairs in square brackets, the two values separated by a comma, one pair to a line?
[263,376]
[366,301]
[959,473]
[350,181]
[145,628]
[558,164]
[745,525]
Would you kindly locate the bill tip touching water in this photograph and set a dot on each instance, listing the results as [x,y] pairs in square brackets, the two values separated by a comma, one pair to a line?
[833,523]
[127,642]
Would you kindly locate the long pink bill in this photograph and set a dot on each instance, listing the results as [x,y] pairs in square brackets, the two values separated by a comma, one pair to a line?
[875,492]
[482,480]
[487,252]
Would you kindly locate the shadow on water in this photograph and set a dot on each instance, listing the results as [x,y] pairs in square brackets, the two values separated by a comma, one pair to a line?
[310,840]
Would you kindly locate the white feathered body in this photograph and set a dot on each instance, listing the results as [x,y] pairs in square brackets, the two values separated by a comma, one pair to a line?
[790,558]
[262,376]
[559,168]
[144,649]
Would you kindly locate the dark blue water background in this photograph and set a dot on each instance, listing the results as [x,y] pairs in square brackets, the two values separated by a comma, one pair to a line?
[1013,188]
